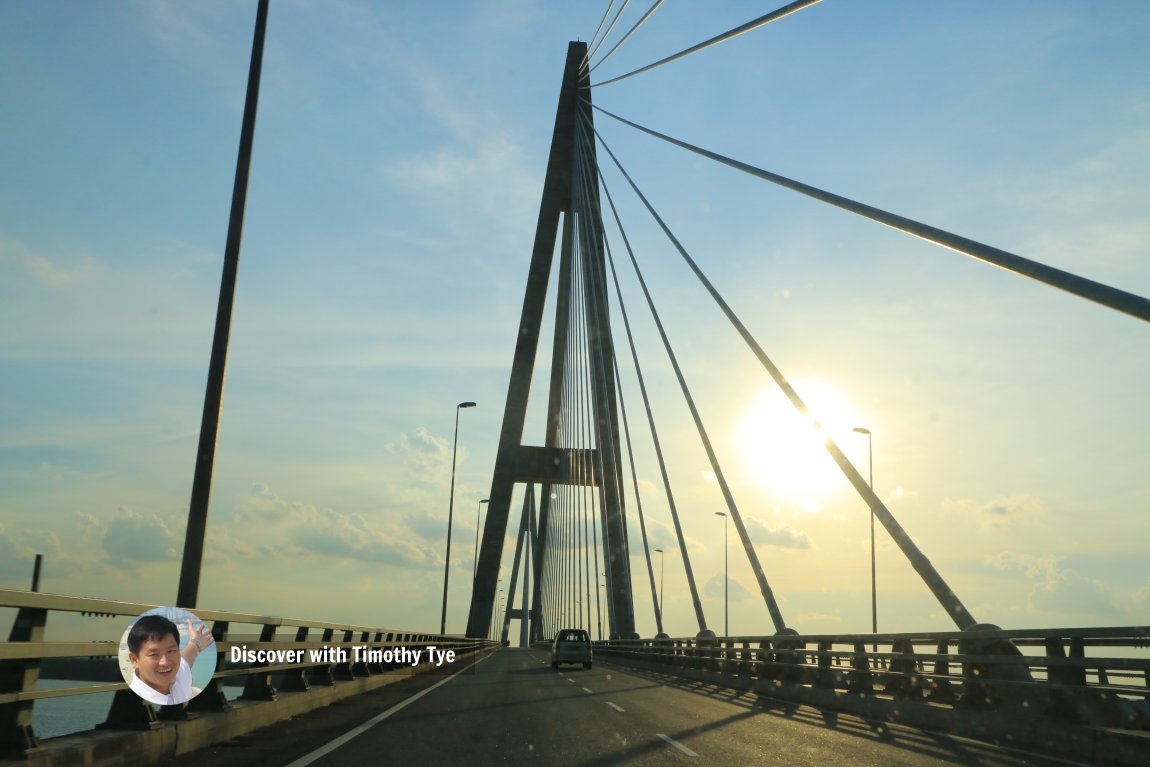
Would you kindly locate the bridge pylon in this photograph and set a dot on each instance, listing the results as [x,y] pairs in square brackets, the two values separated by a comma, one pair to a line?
[568,179]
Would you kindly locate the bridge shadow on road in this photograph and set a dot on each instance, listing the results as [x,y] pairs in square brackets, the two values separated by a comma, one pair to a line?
[947,748]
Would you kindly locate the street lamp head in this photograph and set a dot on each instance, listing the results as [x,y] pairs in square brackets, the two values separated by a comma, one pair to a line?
[861,430]
[720,513]
[466,404]
[486,500]
[658,551]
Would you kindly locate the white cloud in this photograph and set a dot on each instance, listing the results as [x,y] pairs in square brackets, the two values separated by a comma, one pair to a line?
[488,179]
[783,537]
[44,271]
[327,533]
[713,589]
[426,458]
[18,550]
[814,619]
[281,527]
[431,527]
[132,537]
[1060,592]
[998,514]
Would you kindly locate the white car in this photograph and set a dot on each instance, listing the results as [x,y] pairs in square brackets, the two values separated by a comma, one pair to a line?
[571,646]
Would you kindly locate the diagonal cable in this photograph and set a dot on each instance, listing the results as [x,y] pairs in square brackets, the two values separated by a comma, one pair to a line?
[720,478]
[1115,298]
[786,10]
[614,20]
[933,579]
[598,29]
[601,297]
[630,32]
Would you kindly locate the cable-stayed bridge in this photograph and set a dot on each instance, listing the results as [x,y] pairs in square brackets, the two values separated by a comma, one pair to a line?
[571,501]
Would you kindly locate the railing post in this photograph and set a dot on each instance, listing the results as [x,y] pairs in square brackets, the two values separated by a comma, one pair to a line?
[342,671]
[20,675]
[904,679]
[376,668]
[825,677]
[293,680]
[321,674]
[259,685]
[861,678]
[941,689]
[129,712]
[359,667]
[762,668]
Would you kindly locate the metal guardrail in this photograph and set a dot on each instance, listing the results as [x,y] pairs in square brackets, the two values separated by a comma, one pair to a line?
[1098,676]
[21,657]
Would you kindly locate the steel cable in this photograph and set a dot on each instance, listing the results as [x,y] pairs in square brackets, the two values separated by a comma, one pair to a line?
[720,478]
[630,32]
[1114,298]
[933,579]
[786,10]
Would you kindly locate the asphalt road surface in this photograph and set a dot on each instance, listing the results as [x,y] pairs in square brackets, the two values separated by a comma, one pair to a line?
[512,708]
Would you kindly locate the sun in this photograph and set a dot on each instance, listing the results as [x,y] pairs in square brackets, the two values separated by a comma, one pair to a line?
[783,452]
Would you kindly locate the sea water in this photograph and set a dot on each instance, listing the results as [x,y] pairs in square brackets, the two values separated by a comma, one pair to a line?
[53,717]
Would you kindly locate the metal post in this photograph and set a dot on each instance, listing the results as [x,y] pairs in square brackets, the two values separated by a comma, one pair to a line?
[599,609]
[873,580]
[189,586]
[726,578]
[450,513]
[523,613]
[661,554]
[475,564]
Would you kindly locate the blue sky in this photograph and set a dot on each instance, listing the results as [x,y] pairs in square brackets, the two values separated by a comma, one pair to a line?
[396,176]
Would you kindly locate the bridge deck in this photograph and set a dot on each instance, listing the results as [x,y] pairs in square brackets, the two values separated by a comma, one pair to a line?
[512,708]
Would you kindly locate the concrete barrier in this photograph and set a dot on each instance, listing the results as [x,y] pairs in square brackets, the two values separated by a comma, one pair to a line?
[164,740]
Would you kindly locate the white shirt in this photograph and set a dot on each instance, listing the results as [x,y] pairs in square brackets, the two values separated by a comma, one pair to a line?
[181,690]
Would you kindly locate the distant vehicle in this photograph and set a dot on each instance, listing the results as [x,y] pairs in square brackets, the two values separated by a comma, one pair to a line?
[571,646]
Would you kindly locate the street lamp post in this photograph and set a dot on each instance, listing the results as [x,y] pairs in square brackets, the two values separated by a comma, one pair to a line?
[726,579]
[870,483]
[495,610]
[660,553]
[499,619]
[599,609]
[450,512]
[475,564]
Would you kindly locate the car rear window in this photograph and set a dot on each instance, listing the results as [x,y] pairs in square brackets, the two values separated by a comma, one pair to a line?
[573,636]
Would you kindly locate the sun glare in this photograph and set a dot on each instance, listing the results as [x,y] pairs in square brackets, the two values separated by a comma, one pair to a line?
[783,451]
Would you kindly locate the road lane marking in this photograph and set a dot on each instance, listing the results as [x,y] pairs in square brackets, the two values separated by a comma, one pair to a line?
[612,705]
[584,689]
[670,740]
[569,679]
[323,751]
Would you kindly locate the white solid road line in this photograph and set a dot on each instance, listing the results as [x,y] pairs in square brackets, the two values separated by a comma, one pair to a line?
[674,743]
[333,745]
[612,705]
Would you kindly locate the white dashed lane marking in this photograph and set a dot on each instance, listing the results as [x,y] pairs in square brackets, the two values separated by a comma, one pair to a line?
[612,705]
[584,689]
[677,744]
